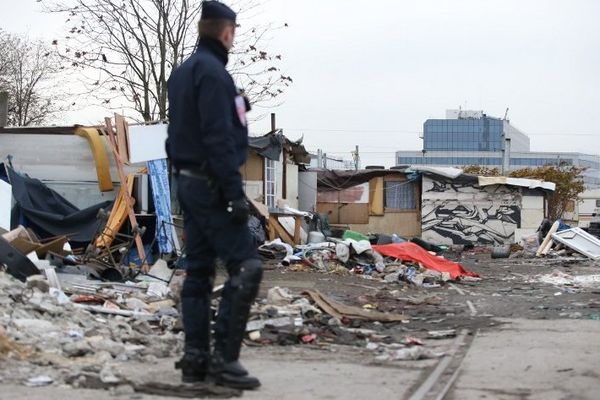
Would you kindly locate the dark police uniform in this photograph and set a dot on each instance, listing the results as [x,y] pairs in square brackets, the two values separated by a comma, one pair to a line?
[207,144]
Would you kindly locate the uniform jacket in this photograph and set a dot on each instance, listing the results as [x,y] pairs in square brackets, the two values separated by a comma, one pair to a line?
[207,119]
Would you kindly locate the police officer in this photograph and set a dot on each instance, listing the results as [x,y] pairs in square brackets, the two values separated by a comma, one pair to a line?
[207,145]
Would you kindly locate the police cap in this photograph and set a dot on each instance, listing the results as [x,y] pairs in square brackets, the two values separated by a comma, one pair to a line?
[217,10]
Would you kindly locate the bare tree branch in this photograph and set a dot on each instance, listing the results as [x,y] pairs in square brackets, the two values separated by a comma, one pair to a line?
[124,51]
[27,72]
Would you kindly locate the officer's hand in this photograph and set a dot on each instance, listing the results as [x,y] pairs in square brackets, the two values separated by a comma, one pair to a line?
[238,210]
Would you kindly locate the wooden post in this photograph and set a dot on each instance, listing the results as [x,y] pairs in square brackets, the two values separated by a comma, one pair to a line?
[129,200]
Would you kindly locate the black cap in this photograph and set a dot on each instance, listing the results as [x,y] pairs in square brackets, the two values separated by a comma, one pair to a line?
[217,10]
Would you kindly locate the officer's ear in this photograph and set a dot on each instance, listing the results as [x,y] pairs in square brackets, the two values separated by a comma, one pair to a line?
[228,35]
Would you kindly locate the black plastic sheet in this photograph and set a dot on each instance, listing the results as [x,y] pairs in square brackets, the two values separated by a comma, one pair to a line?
[48,213]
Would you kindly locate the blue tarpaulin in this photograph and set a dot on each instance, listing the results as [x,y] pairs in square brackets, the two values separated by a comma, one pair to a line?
[159,178]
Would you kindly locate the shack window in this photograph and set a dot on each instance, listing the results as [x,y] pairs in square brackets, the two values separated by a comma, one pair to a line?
[270,183]
[400,196]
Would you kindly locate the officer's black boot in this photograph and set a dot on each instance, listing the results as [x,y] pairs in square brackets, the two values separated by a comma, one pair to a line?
[193,365]
[238,295]
[195,309]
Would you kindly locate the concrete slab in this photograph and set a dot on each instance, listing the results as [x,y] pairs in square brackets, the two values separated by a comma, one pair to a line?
[533,359]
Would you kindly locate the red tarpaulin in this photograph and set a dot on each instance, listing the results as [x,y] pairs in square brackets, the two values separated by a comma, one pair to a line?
[408,251]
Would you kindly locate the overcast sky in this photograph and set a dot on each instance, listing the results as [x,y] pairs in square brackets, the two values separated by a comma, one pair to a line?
[369,73]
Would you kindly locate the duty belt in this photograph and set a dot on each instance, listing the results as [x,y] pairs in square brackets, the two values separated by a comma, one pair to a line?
[192,173]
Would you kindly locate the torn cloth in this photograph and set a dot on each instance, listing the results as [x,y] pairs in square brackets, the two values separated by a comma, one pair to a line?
[161,194]
[412,252]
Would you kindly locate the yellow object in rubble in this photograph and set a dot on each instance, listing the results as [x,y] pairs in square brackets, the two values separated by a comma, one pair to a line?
[117,217]
[100,157]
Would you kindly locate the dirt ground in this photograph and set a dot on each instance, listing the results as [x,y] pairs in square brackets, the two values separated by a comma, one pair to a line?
[509,295]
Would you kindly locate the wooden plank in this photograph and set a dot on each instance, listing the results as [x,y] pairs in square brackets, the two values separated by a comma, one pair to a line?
[547,239]
[128,199]
[280,231]
[340,310]
[262,209]
[122,138]
[376,196]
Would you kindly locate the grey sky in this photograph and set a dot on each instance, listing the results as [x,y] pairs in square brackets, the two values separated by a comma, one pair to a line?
[370,73]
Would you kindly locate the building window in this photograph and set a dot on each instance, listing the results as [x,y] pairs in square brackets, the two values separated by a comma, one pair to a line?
[270,183]
[400,196]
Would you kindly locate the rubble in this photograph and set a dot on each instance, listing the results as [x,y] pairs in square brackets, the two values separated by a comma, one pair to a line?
[40,328]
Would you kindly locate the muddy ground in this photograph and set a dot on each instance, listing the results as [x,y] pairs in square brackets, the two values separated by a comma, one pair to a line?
[508,291]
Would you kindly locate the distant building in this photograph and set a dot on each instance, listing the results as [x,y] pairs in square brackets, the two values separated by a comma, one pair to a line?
[473,138]
[322,160]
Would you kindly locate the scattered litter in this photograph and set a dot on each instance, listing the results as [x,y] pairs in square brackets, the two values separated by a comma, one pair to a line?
[443,334]
[559,278]
[409,353]
[37,381]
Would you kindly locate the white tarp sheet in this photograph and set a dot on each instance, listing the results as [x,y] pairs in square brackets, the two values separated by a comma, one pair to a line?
[5,205]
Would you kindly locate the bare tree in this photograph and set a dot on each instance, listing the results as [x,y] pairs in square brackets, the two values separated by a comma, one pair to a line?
[126,50]
[27,73]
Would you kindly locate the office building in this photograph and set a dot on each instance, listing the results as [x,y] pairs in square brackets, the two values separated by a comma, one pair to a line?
[473,138]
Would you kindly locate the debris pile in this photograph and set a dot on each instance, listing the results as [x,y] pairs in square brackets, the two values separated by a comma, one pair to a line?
[46,327]
[397,261]
[560,240]
[312,318]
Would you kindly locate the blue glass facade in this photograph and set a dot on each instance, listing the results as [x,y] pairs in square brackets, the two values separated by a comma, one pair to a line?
[483,134]
[472,138]
[451,161]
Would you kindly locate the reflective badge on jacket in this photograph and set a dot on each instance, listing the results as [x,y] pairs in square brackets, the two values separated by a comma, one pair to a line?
[240,106]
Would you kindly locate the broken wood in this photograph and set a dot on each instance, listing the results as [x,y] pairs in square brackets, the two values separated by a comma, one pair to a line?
[547,240]
[128,199]
[278,231]
[339,310]
[188,391]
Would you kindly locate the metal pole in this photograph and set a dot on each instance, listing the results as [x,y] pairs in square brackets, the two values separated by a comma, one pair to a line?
[3,109]
[273,123]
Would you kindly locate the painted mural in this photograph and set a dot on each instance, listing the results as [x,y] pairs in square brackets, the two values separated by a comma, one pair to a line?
[458,213]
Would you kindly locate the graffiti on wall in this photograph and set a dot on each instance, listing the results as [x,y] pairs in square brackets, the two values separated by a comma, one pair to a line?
[458,213]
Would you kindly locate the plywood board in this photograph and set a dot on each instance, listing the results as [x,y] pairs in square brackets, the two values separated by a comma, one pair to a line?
[405,224]
[5,205]
[331,210]
[376,196]
[354,214]
[254,168]
[354,194]
[147,142]
[345,213]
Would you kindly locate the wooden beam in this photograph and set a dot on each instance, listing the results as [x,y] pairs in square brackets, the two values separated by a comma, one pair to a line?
[128,199]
